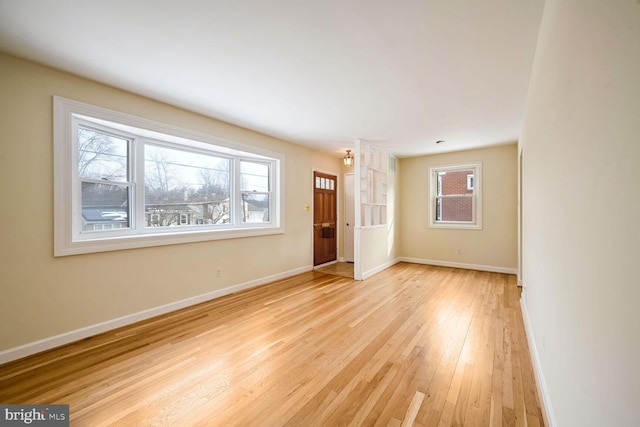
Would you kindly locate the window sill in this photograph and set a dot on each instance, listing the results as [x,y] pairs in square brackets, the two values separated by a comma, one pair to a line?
[456,226]
[143,241]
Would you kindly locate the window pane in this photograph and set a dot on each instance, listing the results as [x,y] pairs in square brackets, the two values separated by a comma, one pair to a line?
[254,176]
[255,208]
[185,188]
[454,182]
[102,156]
[104,206]
[457,208]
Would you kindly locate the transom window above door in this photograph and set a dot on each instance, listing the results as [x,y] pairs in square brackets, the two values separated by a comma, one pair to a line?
[325,183]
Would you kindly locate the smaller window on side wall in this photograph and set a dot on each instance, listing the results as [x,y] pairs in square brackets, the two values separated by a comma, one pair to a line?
[455,196]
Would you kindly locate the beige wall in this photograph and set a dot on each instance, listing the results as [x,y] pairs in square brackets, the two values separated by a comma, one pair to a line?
[43,296]
[581,206]
[495,245]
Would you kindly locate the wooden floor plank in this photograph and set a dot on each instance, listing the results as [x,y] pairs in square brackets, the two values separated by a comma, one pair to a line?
[414,407]
[413,345]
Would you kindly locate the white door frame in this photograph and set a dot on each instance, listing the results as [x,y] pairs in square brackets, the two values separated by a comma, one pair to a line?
[349,216]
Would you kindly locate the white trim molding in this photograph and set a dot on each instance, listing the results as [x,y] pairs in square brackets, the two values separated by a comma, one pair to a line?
[490,268]
[88,331]
[545,398]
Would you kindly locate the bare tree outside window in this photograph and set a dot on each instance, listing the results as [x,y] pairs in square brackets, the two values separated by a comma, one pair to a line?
[185,188]
[102,156]
[103,170]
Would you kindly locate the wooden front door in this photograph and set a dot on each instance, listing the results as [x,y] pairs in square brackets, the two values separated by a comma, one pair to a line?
[325,245]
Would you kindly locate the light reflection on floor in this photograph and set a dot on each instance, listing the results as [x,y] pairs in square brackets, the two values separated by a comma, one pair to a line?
[339,269]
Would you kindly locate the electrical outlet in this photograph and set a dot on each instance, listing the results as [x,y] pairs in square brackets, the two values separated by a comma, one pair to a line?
[217,272]
[459,251]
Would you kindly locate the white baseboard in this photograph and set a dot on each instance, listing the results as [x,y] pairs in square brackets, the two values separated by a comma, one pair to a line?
[78,334]
[379,268]
[489,268]
[545,403]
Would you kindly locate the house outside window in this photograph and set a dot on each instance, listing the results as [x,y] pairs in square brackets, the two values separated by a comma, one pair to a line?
[123,182]
[455,196]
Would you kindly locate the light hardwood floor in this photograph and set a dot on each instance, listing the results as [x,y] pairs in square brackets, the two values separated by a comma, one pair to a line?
[339,269]
[412,345]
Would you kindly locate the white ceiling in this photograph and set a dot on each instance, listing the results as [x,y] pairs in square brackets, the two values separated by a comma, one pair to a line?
[401,74]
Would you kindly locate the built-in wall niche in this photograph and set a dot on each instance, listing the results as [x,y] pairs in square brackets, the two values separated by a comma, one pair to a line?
[374,164]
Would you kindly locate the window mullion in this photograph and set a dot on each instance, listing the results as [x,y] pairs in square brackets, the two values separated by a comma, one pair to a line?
[76,184]
[272,199]
[451,196]
[236,193]
[137,165]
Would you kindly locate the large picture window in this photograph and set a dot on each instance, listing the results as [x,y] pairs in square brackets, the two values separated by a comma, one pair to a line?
[123,182]
[455,196]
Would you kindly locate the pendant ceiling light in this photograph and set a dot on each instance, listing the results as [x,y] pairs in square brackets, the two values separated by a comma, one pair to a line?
[348,159]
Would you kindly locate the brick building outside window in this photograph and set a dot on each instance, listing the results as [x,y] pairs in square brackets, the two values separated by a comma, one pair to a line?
[455,196]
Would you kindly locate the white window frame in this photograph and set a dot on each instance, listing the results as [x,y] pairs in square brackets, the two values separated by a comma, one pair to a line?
[68,240]
[476,222]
